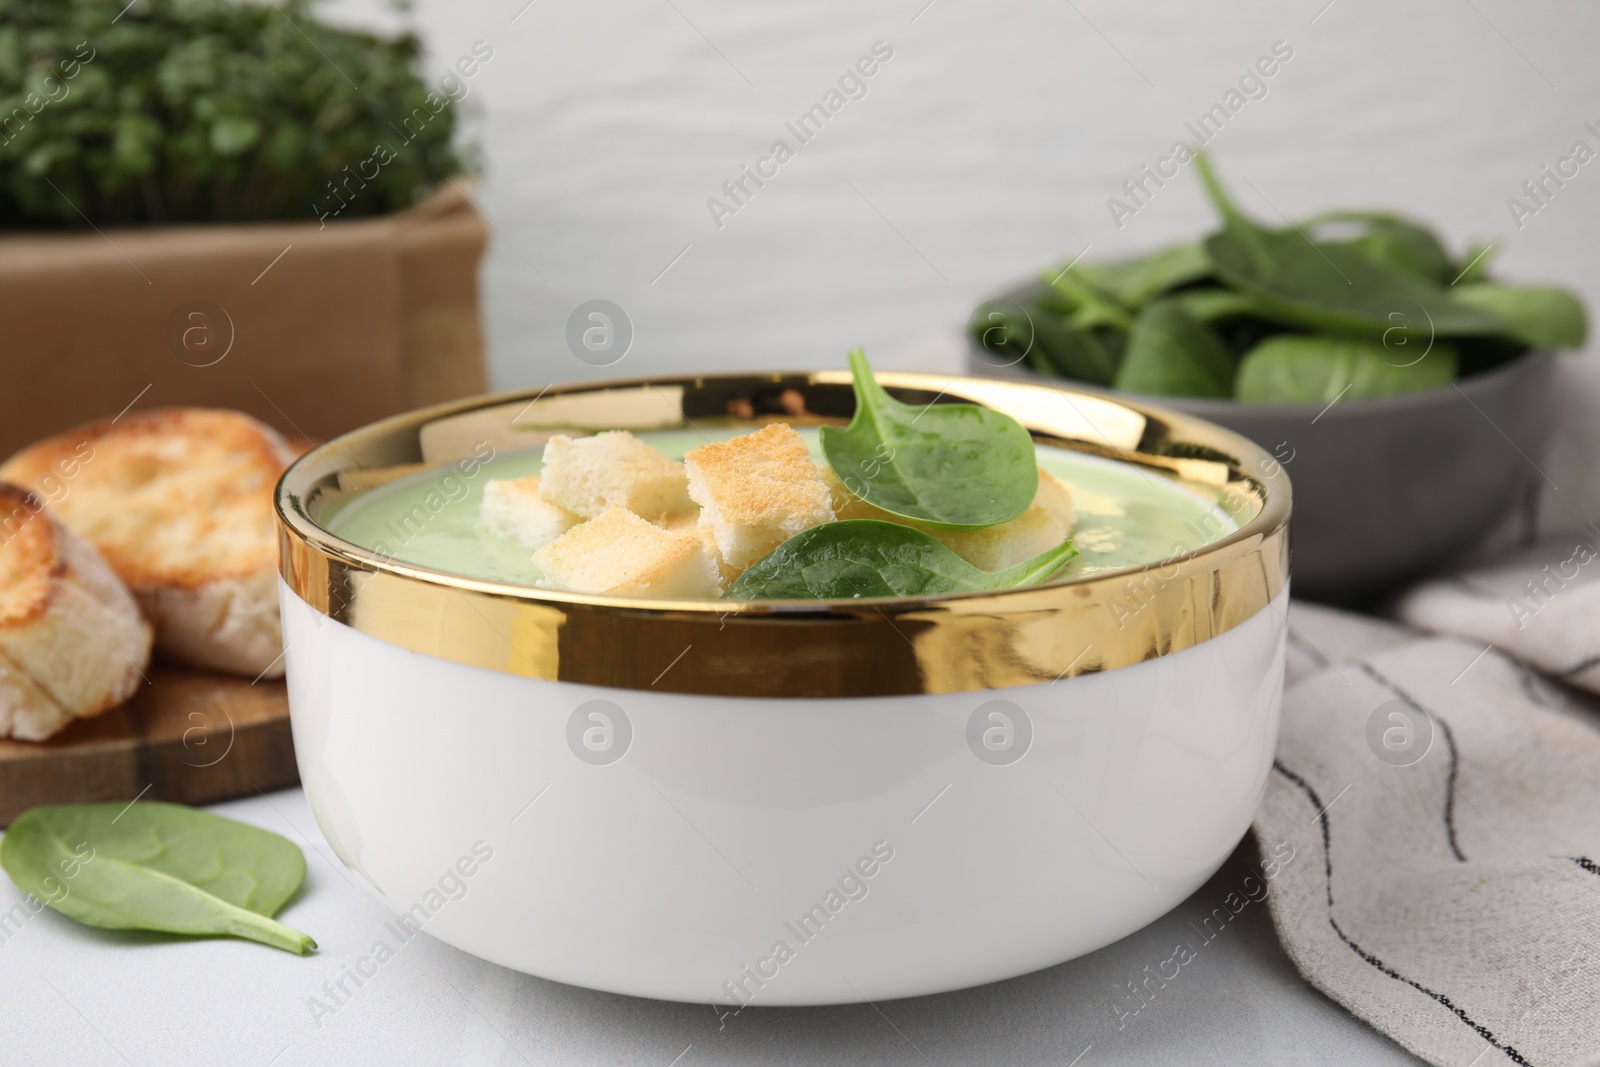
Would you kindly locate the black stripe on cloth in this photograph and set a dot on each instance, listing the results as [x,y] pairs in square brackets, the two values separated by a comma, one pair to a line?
[1583,665]
[1586,863]
[1534,686]
[1327,856]
[1450,747]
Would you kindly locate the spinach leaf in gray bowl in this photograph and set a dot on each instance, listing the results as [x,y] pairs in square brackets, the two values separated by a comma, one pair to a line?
[1336,305]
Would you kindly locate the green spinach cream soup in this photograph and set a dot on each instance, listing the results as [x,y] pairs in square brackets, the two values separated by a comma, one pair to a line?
[1127,516]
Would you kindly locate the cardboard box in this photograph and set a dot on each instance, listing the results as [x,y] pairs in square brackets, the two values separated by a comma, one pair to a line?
[313,329]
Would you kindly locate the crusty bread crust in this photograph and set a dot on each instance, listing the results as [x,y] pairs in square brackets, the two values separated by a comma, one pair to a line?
[72,641]
[179,501]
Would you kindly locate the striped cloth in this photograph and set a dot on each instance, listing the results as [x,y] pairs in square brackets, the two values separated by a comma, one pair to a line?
[1434,818]
[1541,604]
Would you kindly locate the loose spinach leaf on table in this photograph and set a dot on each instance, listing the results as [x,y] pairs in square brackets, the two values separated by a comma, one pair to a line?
[1330,287]
[157,866]
[947,466]
[1295,369]
[1170,353]
[1536,315]
[871,558]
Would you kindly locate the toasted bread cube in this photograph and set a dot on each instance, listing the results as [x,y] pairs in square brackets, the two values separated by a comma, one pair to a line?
[621,554]
[1056,498]
[1047,522]
[512,507]
[681,522]
[757,491]
[587,475]
[846,505]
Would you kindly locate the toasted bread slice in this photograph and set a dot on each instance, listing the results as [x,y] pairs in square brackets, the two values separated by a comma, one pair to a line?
[757,491]
[72,641]
[179,501]
[1047,522]
[587,475]
[513,508]
[622,554]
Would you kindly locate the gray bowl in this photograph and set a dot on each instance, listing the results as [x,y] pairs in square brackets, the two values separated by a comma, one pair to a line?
[1389,489]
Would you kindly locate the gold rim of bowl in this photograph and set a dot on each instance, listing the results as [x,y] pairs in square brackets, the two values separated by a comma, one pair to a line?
[792,648]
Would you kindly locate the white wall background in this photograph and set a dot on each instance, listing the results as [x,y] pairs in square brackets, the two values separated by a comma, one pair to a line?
[985,148]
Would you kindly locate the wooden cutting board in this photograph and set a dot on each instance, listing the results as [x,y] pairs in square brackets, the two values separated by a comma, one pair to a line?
[188,737]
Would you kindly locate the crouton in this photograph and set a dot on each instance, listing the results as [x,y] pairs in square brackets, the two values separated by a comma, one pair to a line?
[587,475]
[621,554]
[681,522]
[512,507]
[72,641]
[1047,522]
[179,502]
[757,491]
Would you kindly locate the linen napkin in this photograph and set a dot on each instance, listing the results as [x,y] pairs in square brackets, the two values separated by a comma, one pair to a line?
[1439,808]
[1541,604]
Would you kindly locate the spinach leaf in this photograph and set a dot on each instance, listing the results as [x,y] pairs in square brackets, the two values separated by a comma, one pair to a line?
[948,466]
[872,558]
[1035,324]
[1216,305]
[1536,315]
[1090,305]
[1329,287]
[1074,352]
[1295,369]
[1015,330]
[1386,239]
[1475,265]
[1005,328]
[159,867]
[1136,282]
[1170,353]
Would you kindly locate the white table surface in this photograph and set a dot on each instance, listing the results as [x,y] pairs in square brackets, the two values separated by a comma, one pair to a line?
[82,996]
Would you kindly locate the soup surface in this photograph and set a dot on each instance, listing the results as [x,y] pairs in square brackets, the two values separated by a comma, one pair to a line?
[1128,516]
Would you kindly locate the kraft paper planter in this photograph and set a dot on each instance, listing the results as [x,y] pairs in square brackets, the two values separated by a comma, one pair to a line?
[314,329]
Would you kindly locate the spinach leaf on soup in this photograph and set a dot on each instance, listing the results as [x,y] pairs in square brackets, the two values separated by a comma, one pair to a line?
[1170,353]
[1330,287]
[1295,369]
[871,558]
[155,866]
[948,466]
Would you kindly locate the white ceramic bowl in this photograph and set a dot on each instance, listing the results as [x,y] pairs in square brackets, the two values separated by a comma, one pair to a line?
[815,802]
